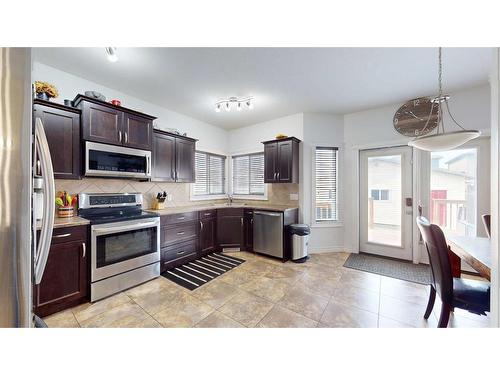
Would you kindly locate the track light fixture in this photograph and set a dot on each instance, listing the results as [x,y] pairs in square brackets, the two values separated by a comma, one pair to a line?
[234,101]
[111,54]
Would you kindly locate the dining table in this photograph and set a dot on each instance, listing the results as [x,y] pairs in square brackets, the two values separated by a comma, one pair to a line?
[475,251]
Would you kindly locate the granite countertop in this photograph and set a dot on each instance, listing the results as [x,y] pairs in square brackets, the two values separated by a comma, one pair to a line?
[60,222]
[77,220]
[256,206]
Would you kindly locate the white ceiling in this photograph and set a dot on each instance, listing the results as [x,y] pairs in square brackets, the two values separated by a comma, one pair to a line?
[282,80]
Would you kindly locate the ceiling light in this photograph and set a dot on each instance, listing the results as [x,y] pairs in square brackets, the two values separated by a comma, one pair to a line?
[240,103]
[111,54]
[442,140]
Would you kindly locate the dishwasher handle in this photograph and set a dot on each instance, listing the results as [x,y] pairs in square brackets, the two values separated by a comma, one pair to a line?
[267,213]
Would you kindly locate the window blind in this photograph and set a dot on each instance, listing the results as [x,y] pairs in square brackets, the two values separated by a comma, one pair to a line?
[326,183]
[210,173]
[248,174]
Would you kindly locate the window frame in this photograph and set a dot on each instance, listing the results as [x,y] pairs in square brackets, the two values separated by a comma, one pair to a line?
[194,197]
[259,197]
[326,223]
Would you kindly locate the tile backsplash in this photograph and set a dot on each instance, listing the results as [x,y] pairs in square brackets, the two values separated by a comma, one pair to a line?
[277,193]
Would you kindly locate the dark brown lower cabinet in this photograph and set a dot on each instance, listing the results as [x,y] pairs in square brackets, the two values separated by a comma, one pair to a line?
[65,279]
[230,225]
[178,239]
[208,233]
[248,229]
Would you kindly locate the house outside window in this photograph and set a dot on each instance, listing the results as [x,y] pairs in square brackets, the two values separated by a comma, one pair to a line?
[248,176]
[210,176]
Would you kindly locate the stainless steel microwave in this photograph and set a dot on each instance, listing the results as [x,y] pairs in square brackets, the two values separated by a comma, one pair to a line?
[115,161]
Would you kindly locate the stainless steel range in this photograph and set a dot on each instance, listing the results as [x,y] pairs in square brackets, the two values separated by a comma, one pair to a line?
[125,242]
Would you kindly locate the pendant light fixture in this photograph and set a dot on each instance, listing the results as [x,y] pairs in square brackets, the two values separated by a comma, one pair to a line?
[442,140]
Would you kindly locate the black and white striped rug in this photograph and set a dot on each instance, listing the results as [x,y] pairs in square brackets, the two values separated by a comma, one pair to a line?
[198,272]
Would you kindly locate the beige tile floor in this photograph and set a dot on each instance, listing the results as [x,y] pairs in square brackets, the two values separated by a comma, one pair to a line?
[264,292]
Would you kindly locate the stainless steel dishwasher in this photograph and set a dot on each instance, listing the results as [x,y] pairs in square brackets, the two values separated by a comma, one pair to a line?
[268,233]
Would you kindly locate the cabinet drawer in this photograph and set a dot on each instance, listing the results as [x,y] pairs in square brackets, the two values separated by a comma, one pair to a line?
[179,218]
[178,251]
[221,212]
[69,234]
[178,233]
[208,214]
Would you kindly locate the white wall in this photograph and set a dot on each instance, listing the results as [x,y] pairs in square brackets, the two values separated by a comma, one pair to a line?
[321,130]
[211,138]
[374,128]
[250,138]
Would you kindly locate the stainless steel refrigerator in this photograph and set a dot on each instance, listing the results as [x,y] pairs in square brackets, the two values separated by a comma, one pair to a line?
[25,173]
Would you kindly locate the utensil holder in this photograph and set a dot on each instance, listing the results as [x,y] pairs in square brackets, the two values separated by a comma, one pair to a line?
[157,205]
[65,212]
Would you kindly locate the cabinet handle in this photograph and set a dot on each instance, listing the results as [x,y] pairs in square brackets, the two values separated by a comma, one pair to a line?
[180,233]
[278,175]
[201,225]
[126,137]
[275,174]
[119,136]
[251,221]
[207,214]
[62,235]
[181,218]
[241,221]
[84,247]
[38,168]
[180,252]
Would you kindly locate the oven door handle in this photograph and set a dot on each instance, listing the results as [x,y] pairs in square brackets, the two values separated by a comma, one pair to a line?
[124,228]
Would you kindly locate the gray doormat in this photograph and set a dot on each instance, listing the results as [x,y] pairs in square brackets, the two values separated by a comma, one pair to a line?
[399,269]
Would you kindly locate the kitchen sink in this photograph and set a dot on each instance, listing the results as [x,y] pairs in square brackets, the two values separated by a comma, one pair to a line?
[236,205]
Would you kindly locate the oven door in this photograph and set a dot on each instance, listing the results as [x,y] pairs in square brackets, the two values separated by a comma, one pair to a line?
[116,161]
[124,246]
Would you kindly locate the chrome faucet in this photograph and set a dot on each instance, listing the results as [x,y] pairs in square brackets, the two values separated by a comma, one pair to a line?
[229,200]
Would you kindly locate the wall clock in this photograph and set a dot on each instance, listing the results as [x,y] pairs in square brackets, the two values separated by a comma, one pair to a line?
[411,117]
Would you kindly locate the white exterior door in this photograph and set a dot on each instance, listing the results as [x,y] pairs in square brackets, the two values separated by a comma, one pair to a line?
[386,202]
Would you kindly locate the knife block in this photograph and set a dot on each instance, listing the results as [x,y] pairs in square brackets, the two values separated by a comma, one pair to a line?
[157,205]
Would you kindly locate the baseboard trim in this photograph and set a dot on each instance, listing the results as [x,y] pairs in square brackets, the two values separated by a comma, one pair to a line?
[327,249]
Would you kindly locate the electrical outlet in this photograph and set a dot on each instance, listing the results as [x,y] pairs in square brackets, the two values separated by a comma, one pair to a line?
[294,197]
[169,197]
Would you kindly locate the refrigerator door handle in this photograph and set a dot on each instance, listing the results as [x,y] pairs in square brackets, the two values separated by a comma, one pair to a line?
[43,248]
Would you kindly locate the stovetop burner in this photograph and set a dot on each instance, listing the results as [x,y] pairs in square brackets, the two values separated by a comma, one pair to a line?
[103,208]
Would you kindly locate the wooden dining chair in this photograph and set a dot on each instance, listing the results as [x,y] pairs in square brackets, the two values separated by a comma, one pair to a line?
[486,221]
[470,295]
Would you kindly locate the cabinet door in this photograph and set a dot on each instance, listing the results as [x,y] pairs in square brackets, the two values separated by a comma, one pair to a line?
[184,168]
[137,131]
[248,223]
[64,280]
[207,235]
[270,162]
[62,129]
[285,161]
[230,231]
[102,124]
[163,158]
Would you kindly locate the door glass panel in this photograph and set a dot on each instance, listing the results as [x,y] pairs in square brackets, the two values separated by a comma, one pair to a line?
[453,190]
[384,200]
[118,247]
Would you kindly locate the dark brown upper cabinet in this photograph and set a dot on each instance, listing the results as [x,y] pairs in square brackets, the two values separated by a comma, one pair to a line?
[62,128]
[106,123]
[281,160]
[173,157]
